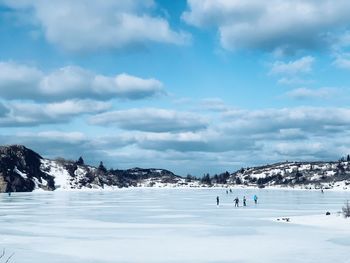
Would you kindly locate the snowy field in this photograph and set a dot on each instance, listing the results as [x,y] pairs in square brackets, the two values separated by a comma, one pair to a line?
[174,225]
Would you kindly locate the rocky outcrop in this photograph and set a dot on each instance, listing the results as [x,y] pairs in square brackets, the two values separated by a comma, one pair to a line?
[23,170]
[20,170]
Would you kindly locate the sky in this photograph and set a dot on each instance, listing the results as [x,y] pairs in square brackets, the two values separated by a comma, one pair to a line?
[193,86]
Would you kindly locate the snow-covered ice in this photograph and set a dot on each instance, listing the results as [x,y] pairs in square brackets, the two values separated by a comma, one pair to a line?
[174,225]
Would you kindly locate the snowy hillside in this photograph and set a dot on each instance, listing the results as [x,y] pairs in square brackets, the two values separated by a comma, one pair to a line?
[23,170]
[296,174]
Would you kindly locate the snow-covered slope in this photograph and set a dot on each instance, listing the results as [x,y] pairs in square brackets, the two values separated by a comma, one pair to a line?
[296,174]
[23,170]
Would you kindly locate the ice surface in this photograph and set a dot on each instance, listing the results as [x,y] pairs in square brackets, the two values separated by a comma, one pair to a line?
[174,225]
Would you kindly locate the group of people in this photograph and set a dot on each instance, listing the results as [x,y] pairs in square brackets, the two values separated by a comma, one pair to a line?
[236,200]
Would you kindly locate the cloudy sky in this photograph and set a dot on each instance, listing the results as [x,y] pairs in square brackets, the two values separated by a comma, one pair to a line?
[193,86]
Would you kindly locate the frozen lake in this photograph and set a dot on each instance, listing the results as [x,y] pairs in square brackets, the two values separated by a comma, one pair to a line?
[170,225]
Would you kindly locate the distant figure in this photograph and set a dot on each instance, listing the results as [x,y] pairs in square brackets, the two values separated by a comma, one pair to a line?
[255,199]
[9,193]
[244,201]
[227,192]
[236,202]
[230,190]
[217,201]
[322,191]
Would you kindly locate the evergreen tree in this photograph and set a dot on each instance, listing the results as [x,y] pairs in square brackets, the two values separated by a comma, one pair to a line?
[348,158]
[206,179]
[80,161]
[189,178]
[102,168]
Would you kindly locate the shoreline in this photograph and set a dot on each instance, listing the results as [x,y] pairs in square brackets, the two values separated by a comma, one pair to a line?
[223,187]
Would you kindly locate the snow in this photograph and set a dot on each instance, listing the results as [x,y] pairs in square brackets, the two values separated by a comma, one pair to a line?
[335,221]
[24,175]
[58,171]
[181,225]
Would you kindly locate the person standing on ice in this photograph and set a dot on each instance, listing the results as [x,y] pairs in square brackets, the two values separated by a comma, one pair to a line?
[236,202]
[244,201]
[255,199]
[217,201]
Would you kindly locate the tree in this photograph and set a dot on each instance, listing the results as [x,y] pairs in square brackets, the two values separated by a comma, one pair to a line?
[80,161]
[102,168]
[206,179]
[4,258]
[348,158]
[340,168]
[346,209]
[189,178]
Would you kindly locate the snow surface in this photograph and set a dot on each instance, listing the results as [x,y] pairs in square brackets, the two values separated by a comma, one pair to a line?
[58,171]
[334,221]
[158,225]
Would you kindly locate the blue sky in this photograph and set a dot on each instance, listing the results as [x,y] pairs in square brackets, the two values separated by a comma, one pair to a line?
[191,86]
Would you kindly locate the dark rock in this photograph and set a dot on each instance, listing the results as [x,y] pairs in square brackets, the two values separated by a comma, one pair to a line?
[20,169]
[23,170]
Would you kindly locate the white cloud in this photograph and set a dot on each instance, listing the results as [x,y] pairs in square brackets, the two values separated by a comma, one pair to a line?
[342,60]
[32,114]
[83,25]
[242,138]
[3,110]
[23,82]
[18,80]
[302,65]
[67,137]
[76,107]
[305,93]
[151,119]
[269,121]
[284,25]
[205,141]
[213,104]
[294,81]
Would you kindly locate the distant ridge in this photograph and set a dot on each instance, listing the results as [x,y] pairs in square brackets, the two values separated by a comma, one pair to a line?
[23,170]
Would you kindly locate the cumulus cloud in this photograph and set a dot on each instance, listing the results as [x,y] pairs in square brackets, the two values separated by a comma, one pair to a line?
[342,60]
[313,120]
[242,138]
[24,82]
[302,65]
[32,114]
[83,25]
[213,104]
[304,148]
[293,81]
[18,81]
[283,25]
[3,110]
[151,119]
[305,93]
[197,142]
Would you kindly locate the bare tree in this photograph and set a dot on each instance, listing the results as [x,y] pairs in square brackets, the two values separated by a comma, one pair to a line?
[4,258]
[346,209]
